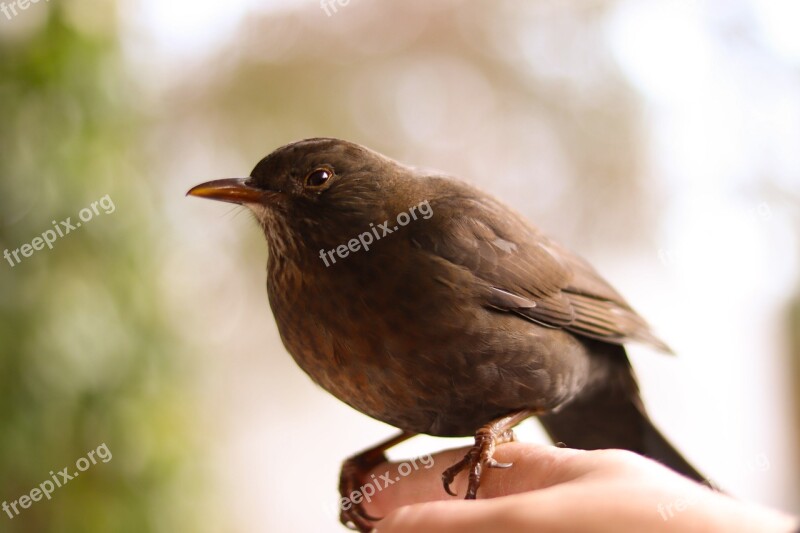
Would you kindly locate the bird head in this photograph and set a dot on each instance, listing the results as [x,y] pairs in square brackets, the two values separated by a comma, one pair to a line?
[318,193]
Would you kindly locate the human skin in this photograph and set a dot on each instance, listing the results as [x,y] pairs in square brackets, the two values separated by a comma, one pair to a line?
[551,489]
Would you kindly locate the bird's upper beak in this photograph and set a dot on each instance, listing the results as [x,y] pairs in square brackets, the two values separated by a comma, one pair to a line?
[235,190]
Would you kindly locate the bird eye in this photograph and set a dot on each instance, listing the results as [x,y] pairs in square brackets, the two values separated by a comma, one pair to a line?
[318,177]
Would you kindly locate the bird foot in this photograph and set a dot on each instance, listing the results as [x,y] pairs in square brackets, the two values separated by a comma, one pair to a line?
[478,457]
[481,454]
[354,469]
[351,513]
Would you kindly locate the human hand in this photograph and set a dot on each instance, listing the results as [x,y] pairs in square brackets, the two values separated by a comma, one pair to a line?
[551,489]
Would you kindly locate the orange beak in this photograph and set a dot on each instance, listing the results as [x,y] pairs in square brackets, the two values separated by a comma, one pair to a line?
[234,190]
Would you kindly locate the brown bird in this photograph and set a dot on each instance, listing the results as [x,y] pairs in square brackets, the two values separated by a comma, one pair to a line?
[431,306]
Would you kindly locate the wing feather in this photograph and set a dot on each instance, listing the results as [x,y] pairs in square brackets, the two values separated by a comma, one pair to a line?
[527,274]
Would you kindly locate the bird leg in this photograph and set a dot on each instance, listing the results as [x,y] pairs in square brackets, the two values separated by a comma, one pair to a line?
[481,454]
[354,469]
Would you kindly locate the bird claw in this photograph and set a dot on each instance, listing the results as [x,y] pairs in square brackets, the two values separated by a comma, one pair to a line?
[449,475]
[494,464]
[480,455]
[353,471]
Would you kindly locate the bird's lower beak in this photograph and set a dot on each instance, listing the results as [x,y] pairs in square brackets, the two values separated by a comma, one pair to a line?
[235,190]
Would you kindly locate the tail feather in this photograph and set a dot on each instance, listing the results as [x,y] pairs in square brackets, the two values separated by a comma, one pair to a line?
[613,416]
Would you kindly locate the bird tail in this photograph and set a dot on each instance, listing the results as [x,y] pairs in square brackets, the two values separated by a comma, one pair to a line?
[613,416]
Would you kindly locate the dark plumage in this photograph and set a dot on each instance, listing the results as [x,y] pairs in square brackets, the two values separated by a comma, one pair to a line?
[450,322]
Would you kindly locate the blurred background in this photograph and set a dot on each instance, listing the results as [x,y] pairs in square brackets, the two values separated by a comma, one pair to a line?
[660,139]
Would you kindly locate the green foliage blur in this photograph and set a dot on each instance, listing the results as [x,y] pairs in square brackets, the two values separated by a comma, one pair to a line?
[86,358]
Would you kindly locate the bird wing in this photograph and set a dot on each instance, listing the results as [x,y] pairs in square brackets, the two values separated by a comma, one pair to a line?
[525,273]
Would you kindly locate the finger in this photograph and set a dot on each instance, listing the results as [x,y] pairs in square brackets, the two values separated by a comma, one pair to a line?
[534,466]
[456,516]
[576,506]
[518,513]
